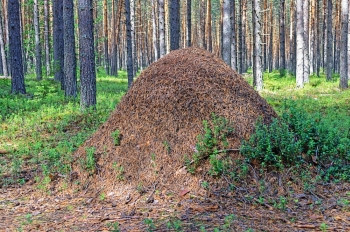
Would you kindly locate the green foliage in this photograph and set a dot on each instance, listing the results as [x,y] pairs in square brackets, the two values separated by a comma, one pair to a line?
[150,224]
[116,137]
[297,138]
[167,146]
[175,225]
[114,227]
[90,160]
[323,227]
[211,144]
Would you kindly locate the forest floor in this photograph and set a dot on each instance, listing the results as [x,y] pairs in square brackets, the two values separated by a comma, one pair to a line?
[40,131]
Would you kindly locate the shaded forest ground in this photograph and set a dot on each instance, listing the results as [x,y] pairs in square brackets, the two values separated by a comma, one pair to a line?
[39,132]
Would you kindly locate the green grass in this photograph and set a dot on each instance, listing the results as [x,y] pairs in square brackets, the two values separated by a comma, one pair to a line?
[42,129]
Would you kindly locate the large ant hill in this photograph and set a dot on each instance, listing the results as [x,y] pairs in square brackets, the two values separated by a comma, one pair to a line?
[155,126]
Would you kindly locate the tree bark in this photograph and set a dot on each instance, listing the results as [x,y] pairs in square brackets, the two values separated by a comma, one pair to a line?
[154,31]
[209,40]
[47,37]
[2,50]
[105,36]
[58,41]
[87,54]
[282,39]
[38,63]
[233,35]
[306,7]
[130,62]
[161,15]
[257,69]
[15,48]
[226,32]
[300,45]
[174,10]
[329,54]
[70,63]
[344,45]
[189,23]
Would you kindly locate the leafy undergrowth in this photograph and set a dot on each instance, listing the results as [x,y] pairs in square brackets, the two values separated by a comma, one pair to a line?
[39,131]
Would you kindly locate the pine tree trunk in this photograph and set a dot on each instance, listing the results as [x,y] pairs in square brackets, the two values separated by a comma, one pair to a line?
[70,63]
[105,36]
[257,69]
[300,44]
[318,36]
[209,39]
[47,37]
[154,30]
[161,15]
[2,50]
[113,69]
[240,35]
[38,63]
[189,23]
[203,24]
[174,10]
[344,45]
[130,62]
[58,41]
[233,35]
[15,48]
[329,54]
[244,31]
[306,8]
[86,54]
[226,32]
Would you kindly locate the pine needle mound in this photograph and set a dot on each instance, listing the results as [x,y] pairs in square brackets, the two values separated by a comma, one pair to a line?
[159,119]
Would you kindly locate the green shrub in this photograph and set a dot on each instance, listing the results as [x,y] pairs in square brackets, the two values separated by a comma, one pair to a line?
[116,137]
[296,138]
[210,144]
[90,162]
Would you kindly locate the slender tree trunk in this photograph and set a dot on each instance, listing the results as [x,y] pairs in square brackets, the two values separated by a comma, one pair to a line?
[47,37]
[105,36]
[306,8]
[70,63]
[130,62]
[318,36]
[329,55]
[209,40]
[233,35]
[38,63]
[58,41]
[15,47]
[300,44]
[226,32]
[203,23]
[240,35]
[161,15]
[189,23]
[257,69]
[2,50]
[154,30]
[113,69]
[174,24]
[344,45]
[86,54]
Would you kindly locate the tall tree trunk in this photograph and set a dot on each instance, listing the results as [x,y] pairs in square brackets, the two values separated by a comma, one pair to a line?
[15,47]
[257,69]
[154,30]
[300,44]
[189,23]
[318,36]
[38,63]
[133,36]
[240,35]
[233,35]
[113,69]
[161,15]
[47,37]
[105,36]
[70,63]
[203,24]
[209,40]
[130,62]
[329,55]
[226,32]
[86,54]
[174,24]
[306,8]
[2,50]
[344,45]
[282,39]
[58,41]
